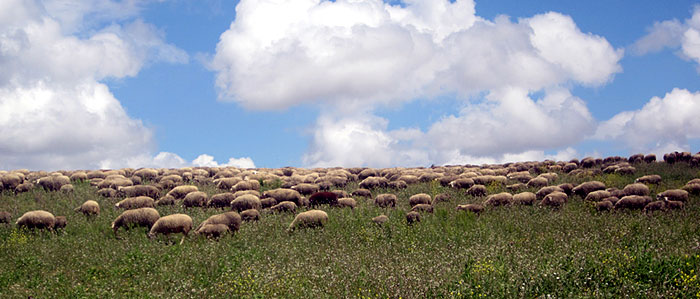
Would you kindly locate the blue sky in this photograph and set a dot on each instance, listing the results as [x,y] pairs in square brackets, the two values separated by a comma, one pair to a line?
[341,84]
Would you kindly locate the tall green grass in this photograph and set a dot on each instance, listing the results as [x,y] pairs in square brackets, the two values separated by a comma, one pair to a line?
[505,252]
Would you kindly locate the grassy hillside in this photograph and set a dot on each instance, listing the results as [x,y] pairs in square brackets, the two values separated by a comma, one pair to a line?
[517,251]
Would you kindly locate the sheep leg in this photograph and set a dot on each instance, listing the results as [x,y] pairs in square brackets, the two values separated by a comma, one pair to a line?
[183,239]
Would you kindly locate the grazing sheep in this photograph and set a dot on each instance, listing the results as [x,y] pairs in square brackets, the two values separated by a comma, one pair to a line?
[674,204]
[24,187]
[612,199]
[673,194]
[53,182]
[246,202]
[658,205]
[515,187]
[222,200]
[167,200]
[175,223]
[213,231]
[244,192]
[596,196]
[385,200]
[246,185]
[38,219]
[131,203]
[546,190]
[537,182]
[227,183]
[632,202]
[231,219]
[362,193]
[649,179]
[555,199]
[306,189]
[5,217]
[374,182]
[138,217]
[250,215]
[500,199]
[323,198]
[604,205]
[180,192]
[477,190]
[412,217]
[567,187]
[340,193]
[89,208]
[285,206]
[584,188]
[10,181]
[68,188]
[420,198]
[616,192]
[381,219]
[442,197]
[462,183]
[650,158]
[267,202]
[421,207]
[399,184]
[347,202]
[60,223]
[569,167]
[283,194]
[195,199]
[636,189]
[692,187]
[474,208]
[107,192]
[524,198]
[309,219]
[139,190]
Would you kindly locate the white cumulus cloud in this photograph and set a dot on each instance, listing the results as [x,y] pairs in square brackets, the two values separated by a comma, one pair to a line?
[674,34]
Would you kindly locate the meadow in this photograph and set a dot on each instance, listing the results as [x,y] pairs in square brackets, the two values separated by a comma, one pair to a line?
[506,252]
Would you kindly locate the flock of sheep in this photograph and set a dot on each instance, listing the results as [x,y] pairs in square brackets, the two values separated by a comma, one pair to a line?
[143,190]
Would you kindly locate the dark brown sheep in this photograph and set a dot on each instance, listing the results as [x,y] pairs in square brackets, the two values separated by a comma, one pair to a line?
[323,198]
[5,217]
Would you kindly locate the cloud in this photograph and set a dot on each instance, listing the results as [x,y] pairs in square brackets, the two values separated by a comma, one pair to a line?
[172,160]
[683,36]
[54,112]
[662,125]
[207,160]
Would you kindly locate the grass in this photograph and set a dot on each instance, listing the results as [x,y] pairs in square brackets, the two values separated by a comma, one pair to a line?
[505,252]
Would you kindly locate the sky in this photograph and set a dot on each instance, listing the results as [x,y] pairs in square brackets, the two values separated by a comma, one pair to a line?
[310,83]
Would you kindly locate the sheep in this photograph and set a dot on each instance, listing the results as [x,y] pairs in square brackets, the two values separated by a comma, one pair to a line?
[60,223]
[636,189]
[308,219]
[283,194]
[267,202]
[139,190]
[306,189]
[167,200]
[399,184]
[362,193]
[10,181]
[227,183]
[658,205]
[537,182]
[524,198]
[604,205]
[146,173]
[374,182]
[175,223]
[5,217]
[130,203]
[412,217]
[650,158]
[673,194]
[245,202]
[422,208]
[347,202]
[692,187]
[596,196]
[246,185]
[500,199]
[442,197]
[462,183]
[222,200]
[213,231]
[68,188]
[385,200]
[674,204]
[244,192]
[107,192]
[555,199]
[38,219]
[323,198]
[649,179]
[231,219]
[546,190]
[420,198]
[381,219]
[180,192]
[515,187]
[477,190]
[612,199]
[584,188]
[474,208]
[633,202]
[24,187]
[136,217]
[89,208]
[285,206]
[250,215]
[567,187]
[195,199]
[340,193]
